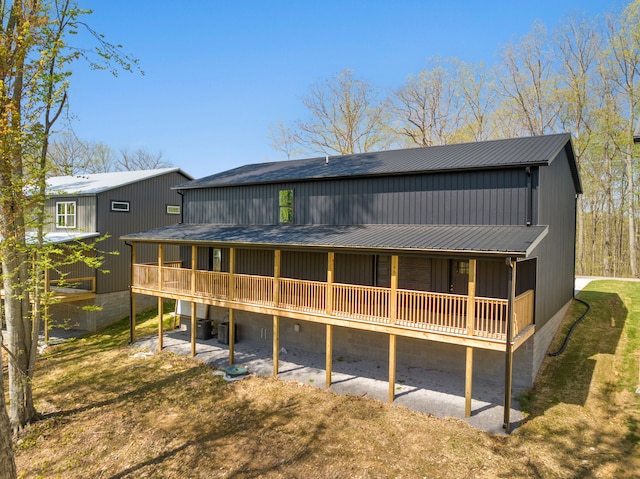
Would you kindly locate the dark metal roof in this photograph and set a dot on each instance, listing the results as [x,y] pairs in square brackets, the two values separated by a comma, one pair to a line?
[515,241]
[530,151]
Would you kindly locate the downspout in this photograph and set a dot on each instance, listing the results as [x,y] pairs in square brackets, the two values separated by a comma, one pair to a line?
[181,205]
[529,204]
[508,364]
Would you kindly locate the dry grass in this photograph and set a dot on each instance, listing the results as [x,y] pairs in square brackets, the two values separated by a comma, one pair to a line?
[108,414]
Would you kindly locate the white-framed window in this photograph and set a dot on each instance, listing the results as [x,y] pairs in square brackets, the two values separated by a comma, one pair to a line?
[173,209]
[119,206]
[285,206]
[66,214]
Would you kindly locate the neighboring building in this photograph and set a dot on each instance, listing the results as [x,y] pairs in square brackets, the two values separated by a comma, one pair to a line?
[86,207]
[385,255]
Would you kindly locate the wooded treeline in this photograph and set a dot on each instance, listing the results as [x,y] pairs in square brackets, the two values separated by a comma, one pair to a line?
[582,78]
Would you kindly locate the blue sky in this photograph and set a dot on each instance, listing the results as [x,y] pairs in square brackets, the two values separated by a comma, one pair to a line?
[219,73]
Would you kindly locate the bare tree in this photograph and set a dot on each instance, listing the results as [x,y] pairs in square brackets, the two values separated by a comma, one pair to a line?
[526,86]
[284,139]
[140,159]
[346,116]
[67,155]
[428,108]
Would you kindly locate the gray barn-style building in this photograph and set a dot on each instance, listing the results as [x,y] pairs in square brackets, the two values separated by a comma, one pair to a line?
[459,258]
[90,206]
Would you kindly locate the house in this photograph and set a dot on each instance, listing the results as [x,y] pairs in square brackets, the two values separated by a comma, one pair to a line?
[459,258]
[86,207]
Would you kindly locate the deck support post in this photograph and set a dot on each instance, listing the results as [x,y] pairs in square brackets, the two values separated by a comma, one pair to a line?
[232,336]
[47,288]
[508,365]
[193,329]
[468,382]
[392,368]
[471,318]
[276,344]
[329,355]
[160,318]
[132,298]
[160,312]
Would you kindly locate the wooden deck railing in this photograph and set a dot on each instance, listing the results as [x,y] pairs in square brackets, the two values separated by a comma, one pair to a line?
[75,283]
[423,310]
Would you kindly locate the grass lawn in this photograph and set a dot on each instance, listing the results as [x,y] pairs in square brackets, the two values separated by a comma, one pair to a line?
[108,414]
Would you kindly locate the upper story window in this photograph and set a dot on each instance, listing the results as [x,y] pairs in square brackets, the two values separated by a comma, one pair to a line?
[285,203]
[66,214]
[173,209]
[119,206]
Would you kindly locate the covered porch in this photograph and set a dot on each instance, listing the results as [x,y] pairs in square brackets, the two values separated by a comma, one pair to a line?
[467,320]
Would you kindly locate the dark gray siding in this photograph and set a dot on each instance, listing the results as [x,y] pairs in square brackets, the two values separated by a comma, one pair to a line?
[556,253]
[148,209]
[493,197]
[85,213]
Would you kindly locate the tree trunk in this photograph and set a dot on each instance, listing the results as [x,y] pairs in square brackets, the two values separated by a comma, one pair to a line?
[7,461]
[632,211]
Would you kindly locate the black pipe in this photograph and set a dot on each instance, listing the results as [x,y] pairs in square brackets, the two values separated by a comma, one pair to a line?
[575,323]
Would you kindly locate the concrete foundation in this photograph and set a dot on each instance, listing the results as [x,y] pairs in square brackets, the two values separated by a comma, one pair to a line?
[84,315]
[351,344]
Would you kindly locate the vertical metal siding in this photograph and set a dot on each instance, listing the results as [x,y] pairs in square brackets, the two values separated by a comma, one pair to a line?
[556,252]
[495,197]
[148,200]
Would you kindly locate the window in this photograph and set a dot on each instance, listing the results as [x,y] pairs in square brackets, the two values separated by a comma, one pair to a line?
[285,203]
[462,267]
[119,206]
[173,209]
[66,214]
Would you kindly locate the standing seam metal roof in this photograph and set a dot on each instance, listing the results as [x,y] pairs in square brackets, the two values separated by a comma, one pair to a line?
[483,240]
[515,152]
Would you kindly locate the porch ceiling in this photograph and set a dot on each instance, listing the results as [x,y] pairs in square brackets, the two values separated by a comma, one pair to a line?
[513,241]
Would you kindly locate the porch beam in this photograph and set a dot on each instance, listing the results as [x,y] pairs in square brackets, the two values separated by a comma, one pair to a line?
[329,355]
[392,368]
[276,343]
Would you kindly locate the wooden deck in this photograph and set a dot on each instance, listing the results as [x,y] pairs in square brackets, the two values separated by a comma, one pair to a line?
[73,289]
[426,315]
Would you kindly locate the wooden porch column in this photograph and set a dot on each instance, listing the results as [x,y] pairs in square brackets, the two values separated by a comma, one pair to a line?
[276,277]
[194,264]
[471,316]
[331,265]
[508,364]
[232,287]
[276,344]
[392,367]
[329,355]
[132,298]
[393,300]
